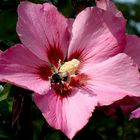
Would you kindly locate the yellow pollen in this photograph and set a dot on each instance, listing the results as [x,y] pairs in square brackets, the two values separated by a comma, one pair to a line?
[70,66]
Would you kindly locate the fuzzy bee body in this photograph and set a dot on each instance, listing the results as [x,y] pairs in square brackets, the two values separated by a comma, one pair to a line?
[63,73]
[59,77]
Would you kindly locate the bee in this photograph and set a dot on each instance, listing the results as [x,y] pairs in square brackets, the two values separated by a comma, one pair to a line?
[59,77]
[63,73]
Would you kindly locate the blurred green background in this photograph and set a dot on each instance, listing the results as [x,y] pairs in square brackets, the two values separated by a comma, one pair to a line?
[19,117]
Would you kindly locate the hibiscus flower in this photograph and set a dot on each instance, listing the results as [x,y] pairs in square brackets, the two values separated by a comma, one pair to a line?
[132,47]
[70,65]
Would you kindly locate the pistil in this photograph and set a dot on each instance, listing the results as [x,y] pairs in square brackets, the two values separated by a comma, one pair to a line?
[61,78]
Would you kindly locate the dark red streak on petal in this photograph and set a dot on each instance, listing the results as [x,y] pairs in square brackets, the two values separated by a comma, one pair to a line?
[61,89]
[76,55]
[44,72]
[79,80]
[55,54]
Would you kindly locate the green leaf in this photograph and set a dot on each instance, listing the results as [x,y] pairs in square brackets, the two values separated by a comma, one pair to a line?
[5,92]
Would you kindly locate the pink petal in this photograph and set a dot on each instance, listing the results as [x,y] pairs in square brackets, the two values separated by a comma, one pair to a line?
[96,35]
[131,39]
[68,114]
[43,30]
[20,66]
[133,48]
[113,79]
[135,113]
[108,5]
[71,20]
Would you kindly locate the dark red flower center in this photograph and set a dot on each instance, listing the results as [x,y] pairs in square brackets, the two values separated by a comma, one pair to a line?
[61,77]
[64,77]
